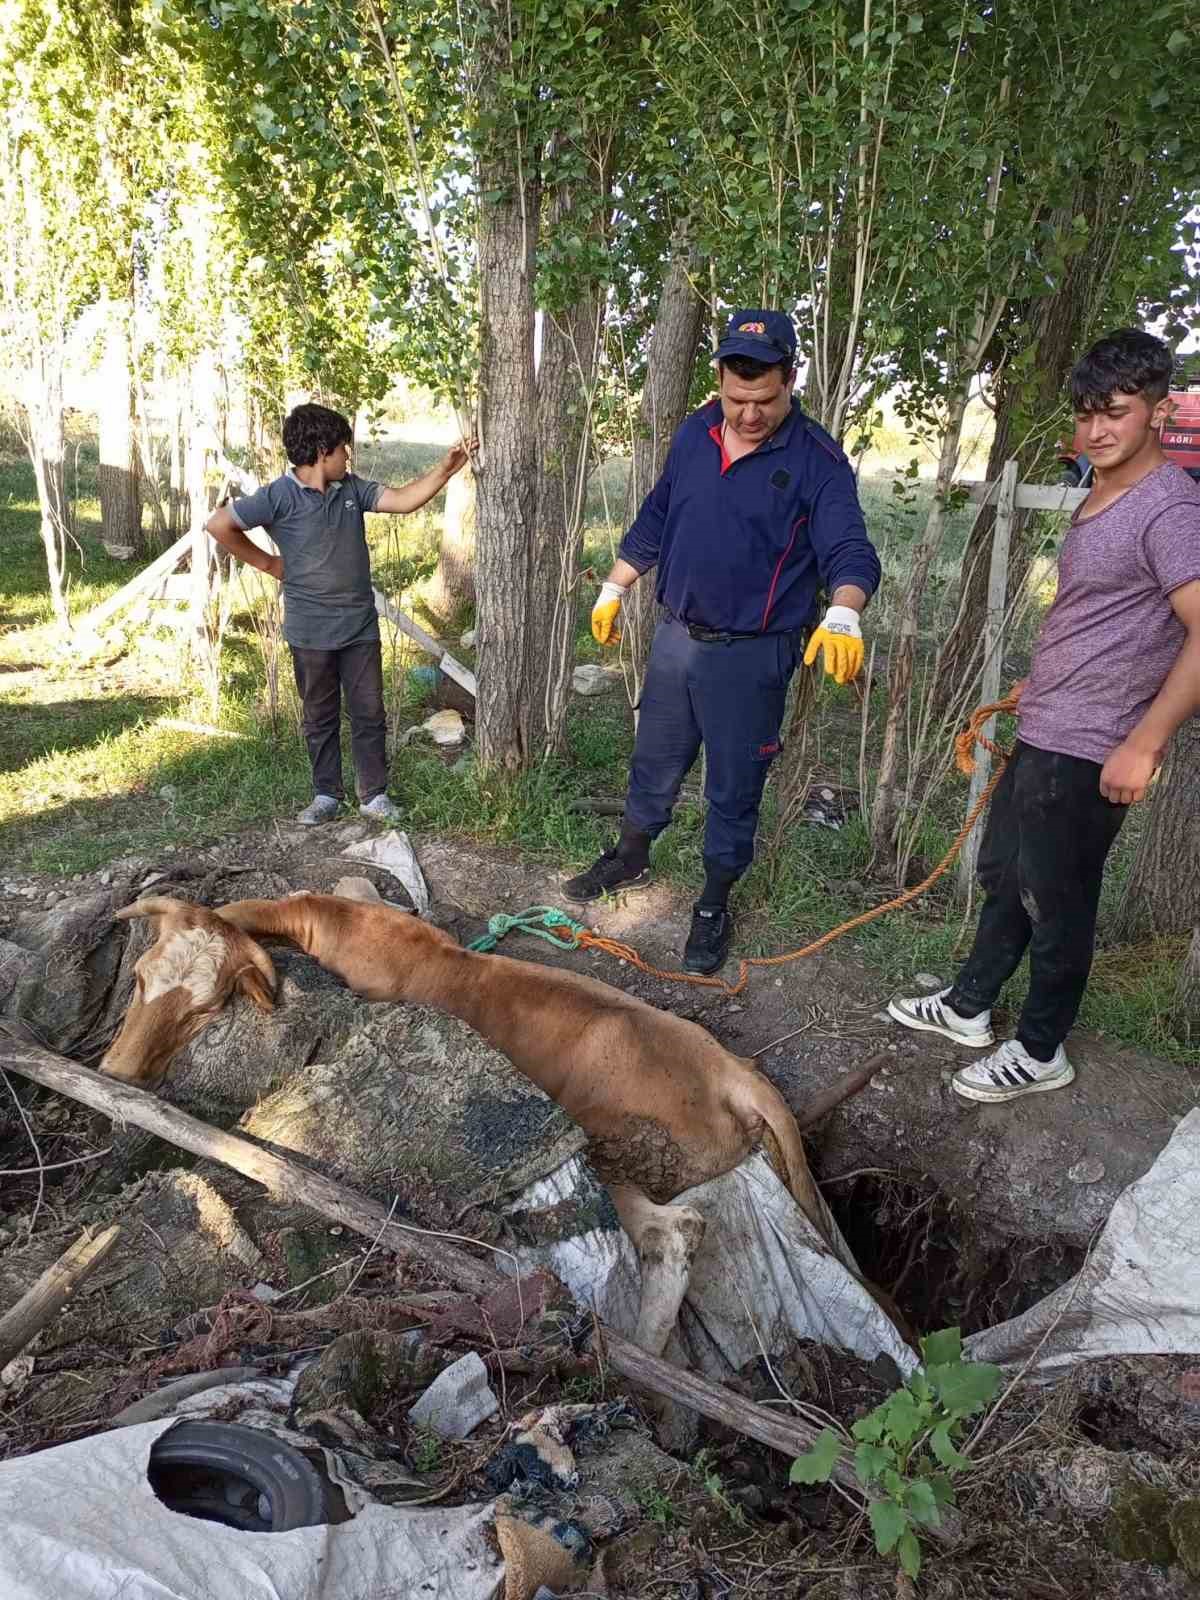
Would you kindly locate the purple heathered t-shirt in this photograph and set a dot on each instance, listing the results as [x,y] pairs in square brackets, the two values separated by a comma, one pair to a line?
[1111,637]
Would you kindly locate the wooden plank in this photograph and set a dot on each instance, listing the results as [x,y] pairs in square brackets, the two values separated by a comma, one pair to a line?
[463,676]
[286,1180]
[39,1305]
[137,586]
[1029,496]
[993,660]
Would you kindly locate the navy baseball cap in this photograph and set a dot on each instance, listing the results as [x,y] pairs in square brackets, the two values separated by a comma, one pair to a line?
[762,335]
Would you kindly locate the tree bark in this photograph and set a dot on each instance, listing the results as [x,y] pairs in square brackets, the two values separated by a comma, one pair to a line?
[1162,894]
[46,443]
[565,379]
[120,497]
[506,473]
[674,345]
[452,590]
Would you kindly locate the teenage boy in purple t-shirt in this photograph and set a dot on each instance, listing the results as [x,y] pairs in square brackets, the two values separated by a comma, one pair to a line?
[1116,670]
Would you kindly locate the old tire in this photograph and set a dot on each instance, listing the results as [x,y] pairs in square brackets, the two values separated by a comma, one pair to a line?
[240,1477]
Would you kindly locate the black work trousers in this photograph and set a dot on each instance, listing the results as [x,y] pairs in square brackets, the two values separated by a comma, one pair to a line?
[324,678]
[1040,863]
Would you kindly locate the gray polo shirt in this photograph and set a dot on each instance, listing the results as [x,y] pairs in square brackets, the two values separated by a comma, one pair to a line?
[322,539]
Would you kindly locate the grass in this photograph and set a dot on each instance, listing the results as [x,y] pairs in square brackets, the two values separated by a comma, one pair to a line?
[91,768]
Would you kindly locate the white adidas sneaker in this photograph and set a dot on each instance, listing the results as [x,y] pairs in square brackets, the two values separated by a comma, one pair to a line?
[930,1014]
[1010,1072]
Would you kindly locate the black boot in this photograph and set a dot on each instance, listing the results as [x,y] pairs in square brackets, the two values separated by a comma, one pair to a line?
[626,866]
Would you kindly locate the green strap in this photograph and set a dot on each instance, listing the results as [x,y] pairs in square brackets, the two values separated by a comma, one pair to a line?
[537,920]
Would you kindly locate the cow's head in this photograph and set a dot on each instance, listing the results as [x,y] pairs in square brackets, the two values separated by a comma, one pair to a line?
[183,980]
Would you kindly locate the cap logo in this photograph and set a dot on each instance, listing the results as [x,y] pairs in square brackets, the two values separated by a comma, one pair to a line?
[752,327]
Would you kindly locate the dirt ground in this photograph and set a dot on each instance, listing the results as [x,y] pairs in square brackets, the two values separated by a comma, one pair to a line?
[966,1214]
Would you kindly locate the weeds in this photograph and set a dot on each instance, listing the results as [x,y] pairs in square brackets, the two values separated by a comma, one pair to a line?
[905,1453]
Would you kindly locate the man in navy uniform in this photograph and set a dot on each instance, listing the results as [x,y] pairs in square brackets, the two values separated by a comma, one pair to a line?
[755,513]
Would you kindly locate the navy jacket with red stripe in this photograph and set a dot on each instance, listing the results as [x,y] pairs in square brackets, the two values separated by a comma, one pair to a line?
[745,546]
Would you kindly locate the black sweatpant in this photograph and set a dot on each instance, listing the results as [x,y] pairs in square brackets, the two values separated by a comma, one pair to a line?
[324,678]
[1040,863]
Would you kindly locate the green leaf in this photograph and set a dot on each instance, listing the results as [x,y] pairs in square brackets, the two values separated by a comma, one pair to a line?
[939,1349]
[869,1427]
[943,1489]
[816,1465]
[903,1418]
[870,1460]
[1177,42]
[909,1552]
[889,1523]
[943,1448]
[916,22]
[964,1387]
[922,1505]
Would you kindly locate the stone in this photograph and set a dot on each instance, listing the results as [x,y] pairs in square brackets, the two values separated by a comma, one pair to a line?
[457,1401]
[1089,1170]
[467,640]
[168,792]
[1185,1534]
[591,679]
[928,981]
[1139,1525]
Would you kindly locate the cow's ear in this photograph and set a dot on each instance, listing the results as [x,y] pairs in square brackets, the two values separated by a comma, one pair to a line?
[153,905]
[256,980]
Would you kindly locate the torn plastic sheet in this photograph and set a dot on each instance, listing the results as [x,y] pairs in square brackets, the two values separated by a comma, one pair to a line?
[761,1274]
[394,853]
[82,1521]
[1138,1293]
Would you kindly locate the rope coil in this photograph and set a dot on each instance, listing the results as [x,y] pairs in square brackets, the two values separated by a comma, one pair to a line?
[539,920]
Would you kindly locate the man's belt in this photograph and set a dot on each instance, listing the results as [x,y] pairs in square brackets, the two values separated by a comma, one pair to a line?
[705,635]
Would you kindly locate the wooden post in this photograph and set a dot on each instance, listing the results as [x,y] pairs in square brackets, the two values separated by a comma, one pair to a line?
[463,676]
[39,1305]
[993,661]
[287,1180]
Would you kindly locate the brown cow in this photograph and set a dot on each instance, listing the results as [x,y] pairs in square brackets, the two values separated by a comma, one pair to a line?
[665,1107]
[183,980]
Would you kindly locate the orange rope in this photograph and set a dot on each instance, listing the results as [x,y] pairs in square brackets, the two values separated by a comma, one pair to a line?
[964,744]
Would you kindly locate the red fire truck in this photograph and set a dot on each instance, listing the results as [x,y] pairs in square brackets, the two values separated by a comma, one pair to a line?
[1180,440]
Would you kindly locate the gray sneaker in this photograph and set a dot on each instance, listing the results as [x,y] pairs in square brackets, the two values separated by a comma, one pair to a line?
[381,809]
[323,809]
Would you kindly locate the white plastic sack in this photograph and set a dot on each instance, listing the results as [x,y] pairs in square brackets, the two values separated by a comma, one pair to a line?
[761,1266]
[394,853]
[81,1521]
[1138,1292]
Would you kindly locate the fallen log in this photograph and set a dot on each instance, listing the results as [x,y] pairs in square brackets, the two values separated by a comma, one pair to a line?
[844,1089]
[285,1179]
[39,1305]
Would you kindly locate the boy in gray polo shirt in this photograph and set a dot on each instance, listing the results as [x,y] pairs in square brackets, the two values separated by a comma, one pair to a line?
[315,514]
[1115,672]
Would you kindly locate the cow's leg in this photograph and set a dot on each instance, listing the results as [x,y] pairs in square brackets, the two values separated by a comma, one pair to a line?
[666,1239]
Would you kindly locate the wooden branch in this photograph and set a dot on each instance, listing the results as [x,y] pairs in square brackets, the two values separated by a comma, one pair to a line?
[39,1305]
[844,1089]
[288,1181]
[453,668]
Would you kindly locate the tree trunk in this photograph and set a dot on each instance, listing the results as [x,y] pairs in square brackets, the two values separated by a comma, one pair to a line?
[506,476]
[566,375]
[1162,894]
[46,443]
[452,589]
[674,344]
[1187,994]
[120,500]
